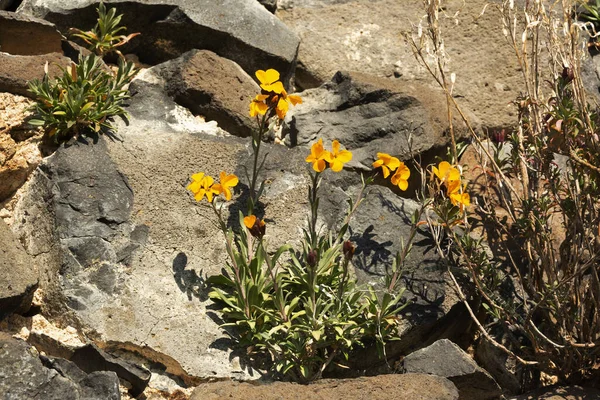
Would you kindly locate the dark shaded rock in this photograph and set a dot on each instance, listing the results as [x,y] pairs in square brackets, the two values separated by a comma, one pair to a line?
[24,376]
[378,228]
[18,274]
[27,36]
[16,71]
[382,387]
[270,5]
[369,115]
[561,393]
[90,359]
[92,199]
[243,31]
[5,4]
[444,358]
[211,86]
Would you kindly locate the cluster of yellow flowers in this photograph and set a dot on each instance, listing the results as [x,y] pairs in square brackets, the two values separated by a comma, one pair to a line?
[388,164]
[449,176]
[204,185]
[336,157]
[273,95]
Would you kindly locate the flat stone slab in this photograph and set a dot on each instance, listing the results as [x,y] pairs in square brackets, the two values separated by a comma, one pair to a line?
[382,387]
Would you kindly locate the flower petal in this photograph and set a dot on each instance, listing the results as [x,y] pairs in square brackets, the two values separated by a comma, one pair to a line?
[336,165]
[295,99]
[403,184]
[249,221]
[319,165]
[344,156]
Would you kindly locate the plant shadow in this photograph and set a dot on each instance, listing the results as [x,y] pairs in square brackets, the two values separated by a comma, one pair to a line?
[188,281]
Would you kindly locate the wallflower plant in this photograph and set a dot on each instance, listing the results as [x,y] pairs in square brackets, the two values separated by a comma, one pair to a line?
[299,307]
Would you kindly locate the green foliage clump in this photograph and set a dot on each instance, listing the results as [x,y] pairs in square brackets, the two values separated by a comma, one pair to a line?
[104,38]
[305,312]
[82,99]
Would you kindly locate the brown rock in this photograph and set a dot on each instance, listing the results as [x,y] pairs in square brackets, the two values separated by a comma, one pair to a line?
[382,387]
[561,393]
[213,87]
[16,71]
[27,36]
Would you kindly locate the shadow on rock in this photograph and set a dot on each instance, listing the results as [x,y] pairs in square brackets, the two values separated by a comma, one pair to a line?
[187,280]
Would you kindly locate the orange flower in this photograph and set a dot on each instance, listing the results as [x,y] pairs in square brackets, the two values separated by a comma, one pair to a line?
[338,157]
[387,163]
[318,156]
[269,80]
[202,185]
[258,105]
[401,176]
[225,183]
[446,173]
[458,195]
[255,225]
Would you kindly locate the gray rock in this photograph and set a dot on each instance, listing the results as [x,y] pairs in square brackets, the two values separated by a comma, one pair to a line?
[356,36]
[18,274]
[369,115]
[26,36]
[378,228]
[24,376]
[92,359]
[444,358]
[16,71]
[382,387]
[173,27]
[211,86]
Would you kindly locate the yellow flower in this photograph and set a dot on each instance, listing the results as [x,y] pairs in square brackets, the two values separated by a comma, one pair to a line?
[318,156]
[458,195]
[387,163]
[401,176]
[338,157]
[202,185]
[269,81]
[226,182]
[446,173]
[258,105]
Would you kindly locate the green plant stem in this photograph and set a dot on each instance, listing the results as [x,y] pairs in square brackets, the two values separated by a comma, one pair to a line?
[276,288]
[314,208]
[256,141]
[230,251]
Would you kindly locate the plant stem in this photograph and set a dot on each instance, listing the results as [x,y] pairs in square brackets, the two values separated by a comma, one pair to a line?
[314,208]
[256,141]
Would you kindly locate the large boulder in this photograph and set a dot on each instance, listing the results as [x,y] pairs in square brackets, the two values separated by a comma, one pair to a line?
[211,86]
[27,36]
[444,358]
[18,274]
[383,387]
[355,35]
[369,115]
[241,30]
[25,375]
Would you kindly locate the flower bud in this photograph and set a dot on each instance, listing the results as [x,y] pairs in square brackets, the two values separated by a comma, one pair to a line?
[348,249]
[311,258]
[258,229]
[568,74]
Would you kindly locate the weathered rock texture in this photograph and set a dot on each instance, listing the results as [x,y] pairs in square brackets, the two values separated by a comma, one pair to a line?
[561,393]
[25,376]
[27,36]
[19,144]
[171,28]
[369,115]
[18,274]
[383,387]
[444,358]
[358,35]
[211,86]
